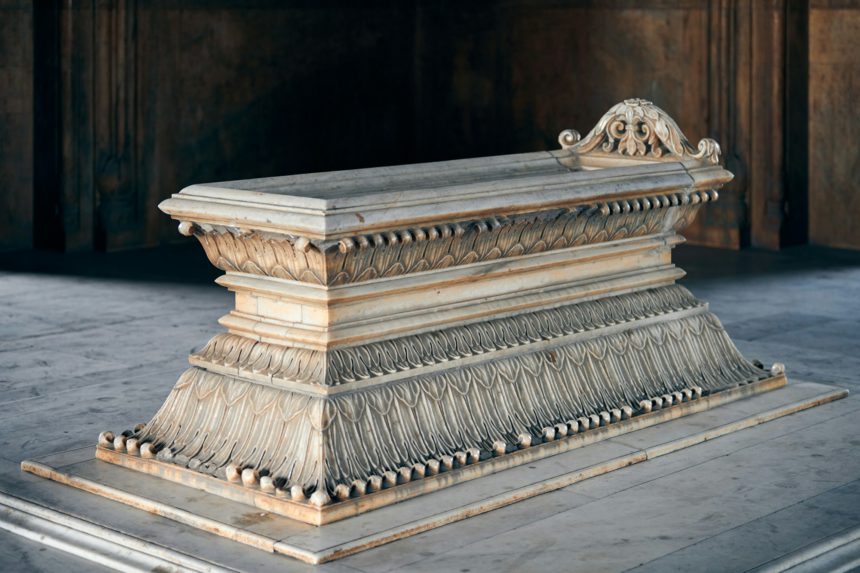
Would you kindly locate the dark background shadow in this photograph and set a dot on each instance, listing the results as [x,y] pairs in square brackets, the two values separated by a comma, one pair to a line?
[109,107]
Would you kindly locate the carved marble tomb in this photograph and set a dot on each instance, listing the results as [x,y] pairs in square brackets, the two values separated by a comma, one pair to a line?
[401,329]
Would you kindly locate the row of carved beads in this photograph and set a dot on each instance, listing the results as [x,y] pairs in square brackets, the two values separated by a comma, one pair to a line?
[261,480]
[444,231]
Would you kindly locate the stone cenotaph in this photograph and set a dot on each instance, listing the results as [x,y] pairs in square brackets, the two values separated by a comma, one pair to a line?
[399,330]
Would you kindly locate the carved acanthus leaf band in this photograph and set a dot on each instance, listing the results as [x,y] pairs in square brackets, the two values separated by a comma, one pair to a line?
[638,128]
[344,365]
[213,422]
[407,251]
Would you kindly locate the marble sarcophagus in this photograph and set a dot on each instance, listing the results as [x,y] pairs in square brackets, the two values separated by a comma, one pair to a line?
[398,330]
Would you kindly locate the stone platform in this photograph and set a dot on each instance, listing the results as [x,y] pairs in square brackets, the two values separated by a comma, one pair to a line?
[613,448]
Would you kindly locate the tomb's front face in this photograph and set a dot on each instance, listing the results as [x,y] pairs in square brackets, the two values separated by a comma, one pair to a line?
[400,329]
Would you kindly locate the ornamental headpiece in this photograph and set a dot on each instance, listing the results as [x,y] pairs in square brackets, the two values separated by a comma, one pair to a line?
[638,128]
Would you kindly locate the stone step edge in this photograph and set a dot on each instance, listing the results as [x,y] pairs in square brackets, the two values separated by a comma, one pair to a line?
[839,552]
[98,544]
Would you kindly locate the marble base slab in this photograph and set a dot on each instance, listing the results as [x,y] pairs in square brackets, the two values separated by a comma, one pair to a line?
[276,534]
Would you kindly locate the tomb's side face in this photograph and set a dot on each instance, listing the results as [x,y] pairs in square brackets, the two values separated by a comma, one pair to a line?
[394,324]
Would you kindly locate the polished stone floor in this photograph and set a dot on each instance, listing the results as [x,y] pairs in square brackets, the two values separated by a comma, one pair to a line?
[89,342]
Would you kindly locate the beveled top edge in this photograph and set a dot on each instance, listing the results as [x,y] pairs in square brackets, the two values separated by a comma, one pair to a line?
[551,179]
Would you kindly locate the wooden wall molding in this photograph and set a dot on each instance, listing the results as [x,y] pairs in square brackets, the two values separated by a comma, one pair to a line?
[754,101]
[16,124]
[834,158]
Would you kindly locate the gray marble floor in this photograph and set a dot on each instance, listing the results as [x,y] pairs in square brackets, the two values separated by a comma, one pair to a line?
[89,342]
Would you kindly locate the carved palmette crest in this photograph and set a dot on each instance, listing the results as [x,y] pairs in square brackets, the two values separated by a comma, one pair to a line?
[638,128]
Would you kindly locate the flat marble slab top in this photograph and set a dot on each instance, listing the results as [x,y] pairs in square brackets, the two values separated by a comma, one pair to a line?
[330,204]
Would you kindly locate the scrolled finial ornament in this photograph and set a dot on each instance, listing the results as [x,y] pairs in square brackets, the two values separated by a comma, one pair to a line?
[709,150]
[638,128]
[568,138]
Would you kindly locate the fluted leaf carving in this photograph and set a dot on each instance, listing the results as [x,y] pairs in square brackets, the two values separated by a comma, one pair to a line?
[409,251]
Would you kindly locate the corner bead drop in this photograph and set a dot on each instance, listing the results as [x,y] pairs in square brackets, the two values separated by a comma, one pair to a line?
[399,329]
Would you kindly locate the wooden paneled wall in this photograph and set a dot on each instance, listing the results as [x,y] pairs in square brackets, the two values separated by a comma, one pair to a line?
[135,99]
[16,124]
[154,96]
[834,114]
[509,76]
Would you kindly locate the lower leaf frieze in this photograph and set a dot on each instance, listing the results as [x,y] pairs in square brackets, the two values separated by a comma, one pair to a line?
[377,359]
